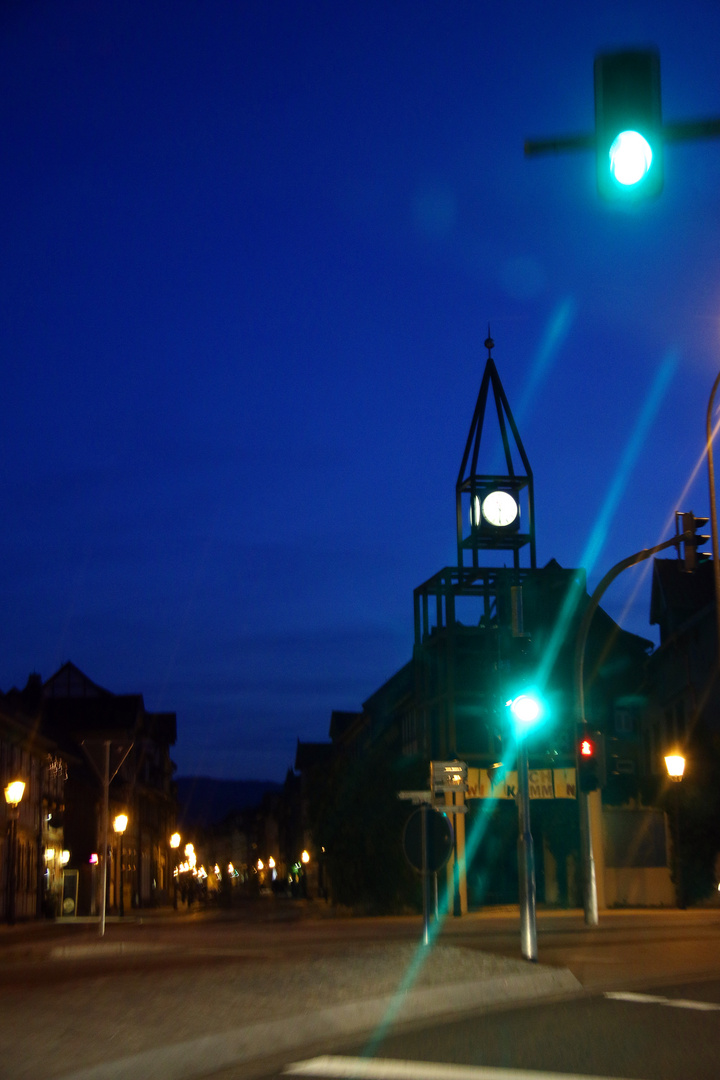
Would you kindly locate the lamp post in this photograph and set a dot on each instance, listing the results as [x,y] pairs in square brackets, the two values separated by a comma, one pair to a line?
[175,844]
[13,795]
[675,765]
[120,825]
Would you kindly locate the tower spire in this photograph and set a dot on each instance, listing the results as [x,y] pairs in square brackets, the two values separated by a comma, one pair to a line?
[489,344]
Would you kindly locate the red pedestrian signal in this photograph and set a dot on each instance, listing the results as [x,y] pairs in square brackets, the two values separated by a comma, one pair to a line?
[590,759]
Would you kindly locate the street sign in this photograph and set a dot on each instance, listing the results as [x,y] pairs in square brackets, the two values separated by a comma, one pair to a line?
[416,796]
[438,840]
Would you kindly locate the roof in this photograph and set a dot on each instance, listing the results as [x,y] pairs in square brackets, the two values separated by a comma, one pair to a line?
[341,721]
[71,682]
[679,593]
[310,754]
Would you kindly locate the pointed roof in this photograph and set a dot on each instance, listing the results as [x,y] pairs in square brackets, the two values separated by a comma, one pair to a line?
[71,682]
[516,460]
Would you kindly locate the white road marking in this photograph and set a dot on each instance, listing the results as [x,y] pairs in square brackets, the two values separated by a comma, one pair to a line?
[348,1068]
[652,999]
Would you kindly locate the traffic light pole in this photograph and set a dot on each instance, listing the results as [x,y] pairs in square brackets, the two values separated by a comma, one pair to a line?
[713,506]
[586,837]
[526,858]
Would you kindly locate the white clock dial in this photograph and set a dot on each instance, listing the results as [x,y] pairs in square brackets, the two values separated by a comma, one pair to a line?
[499,508]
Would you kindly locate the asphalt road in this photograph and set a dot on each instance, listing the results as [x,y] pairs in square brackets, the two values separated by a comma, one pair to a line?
[74,1002]
[668,1035]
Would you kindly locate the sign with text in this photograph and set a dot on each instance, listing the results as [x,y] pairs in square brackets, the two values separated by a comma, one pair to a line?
[498,783]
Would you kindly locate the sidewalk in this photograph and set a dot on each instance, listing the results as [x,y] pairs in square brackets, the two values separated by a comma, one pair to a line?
[232,1001]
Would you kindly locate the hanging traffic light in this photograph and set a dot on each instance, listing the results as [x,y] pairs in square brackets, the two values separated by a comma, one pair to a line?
[628,125]
[590,759]
[692,558]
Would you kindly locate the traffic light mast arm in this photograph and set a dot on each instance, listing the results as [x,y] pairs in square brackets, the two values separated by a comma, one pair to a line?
[682,131]
[583,629]
[559,144]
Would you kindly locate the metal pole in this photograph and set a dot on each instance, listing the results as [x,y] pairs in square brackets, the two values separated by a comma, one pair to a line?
[526,859]
[678,858]
[120,878]
[12,877]
[590,897]
[713,507]
[426,913]
[106,814]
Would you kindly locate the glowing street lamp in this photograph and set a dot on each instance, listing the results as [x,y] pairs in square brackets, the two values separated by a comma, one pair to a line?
[14,793]
[675,765]
[13,796]
[175,844]
[120,825]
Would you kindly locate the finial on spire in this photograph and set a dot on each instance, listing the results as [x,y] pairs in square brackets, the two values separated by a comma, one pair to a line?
[489,343]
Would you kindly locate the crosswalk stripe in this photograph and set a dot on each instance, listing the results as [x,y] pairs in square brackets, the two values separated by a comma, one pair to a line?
[349,1068]
[653,999]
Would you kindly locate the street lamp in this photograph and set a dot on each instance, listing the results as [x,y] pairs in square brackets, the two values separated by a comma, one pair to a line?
[675,765]
[120,825]
[13,794]
[175,844]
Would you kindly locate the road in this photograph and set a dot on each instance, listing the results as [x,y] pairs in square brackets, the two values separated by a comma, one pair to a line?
[670,1036]
[187,985]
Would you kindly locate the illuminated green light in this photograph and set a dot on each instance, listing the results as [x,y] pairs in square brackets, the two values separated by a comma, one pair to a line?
[630,157]
[525,709]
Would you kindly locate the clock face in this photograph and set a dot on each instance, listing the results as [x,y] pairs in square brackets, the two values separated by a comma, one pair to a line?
[499,508]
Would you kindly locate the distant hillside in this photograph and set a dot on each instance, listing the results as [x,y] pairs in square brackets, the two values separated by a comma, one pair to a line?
[204,801]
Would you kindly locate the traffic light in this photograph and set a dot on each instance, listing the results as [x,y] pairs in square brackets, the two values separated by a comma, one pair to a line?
[692,558]
[527,712]
[628,125]
[590,759]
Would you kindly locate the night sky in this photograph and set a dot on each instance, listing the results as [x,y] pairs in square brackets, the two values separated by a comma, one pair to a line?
[249,254]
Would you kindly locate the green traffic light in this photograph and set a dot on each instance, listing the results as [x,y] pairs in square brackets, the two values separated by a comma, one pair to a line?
[526,709]
[630,158]
[628,125]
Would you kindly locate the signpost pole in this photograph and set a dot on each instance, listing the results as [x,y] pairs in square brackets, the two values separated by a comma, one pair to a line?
[425,877]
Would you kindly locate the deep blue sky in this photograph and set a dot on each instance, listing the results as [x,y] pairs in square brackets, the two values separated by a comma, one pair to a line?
[249,255]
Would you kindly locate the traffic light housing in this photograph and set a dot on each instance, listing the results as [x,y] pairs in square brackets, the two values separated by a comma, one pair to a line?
[628,125]
[692,558]
[590,759]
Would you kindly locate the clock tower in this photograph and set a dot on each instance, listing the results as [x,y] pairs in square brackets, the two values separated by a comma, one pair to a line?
[495,509]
